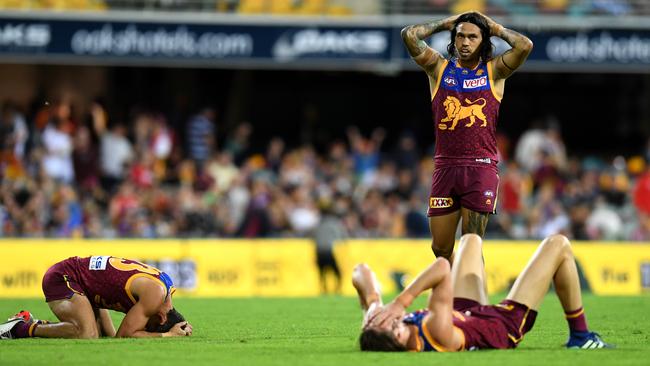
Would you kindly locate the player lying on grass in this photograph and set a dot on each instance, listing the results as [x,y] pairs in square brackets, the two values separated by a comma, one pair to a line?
[458,318]
[80,290]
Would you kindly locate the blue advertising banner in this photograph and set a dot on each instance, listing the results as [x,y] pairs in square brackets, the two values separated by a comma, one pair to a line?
[99,40]
[300,45]
[564,50]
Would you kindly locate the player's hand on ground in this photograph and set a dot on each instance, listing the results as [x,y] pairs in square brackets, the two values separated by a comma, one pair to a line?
[181,329]
[387,315]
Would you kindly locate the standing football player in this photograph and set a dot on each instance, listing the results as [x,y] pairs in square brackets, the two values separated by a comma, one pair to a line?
[466,92]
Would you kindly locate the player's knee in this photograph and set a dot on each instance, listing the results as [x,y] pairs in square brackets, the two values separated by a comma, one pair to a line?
[442,251]
[89,333]
[471,242]
[361,267]
[85,332]
[558,242]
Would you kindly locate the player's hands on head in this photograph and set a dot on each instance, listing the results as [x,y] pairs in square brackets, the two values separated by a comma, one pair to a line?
[385,317]
[180,329]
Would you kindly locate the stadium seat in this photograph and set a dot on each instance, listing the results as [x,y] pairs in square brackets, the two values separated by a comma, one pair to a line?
[281,6]
[462,6]
[313,7]
[252,6]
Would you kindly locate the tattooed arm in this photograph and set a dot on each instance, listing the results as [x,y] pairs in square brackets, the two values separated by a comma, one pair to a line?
[505,64]
[414,36]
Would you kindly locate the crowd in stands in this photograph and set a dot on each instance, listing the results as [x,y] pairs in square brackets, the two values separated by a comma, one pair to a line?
[350,7]
[100,178]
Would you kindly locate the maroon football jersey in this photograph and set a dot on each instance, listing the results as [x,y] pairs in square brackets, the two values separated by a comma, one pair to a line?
[465,111]
[106,280]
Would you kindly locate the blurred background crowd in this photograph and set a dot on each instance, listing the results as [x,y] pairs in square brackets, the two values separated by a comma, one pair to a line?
[67,174]
[350,7]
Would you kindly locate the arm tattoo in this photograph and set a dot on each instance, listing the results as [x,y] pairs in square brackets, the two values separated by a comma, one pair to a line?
[414,35]
[517,40]
[476,223]
[521,47]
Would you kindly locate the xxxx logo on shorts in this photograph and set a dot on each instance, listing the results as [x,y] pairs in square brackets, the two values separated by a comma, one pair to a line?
[440,202]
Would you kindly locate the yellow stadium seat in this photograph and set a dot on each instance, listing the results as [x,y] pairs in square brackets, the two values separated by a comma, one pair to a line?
[281,6]
[313,7]
[252,6]
[461,6]
[14,4]
[339,10]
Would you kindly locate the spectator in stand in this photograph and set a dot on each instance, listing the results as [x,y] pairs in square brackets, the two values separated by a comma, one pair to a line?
[57,162]
[85,158]
[68,215]
[116,153]
[201,135]
[237,143]
[641,193]
[365,151]
[274,152]
[222,171]
[13,129]
[405,154]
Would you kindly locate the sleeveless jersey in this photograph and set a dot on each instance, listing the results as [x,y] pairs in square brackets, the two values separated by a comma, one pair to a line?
[106,280]
[478,332]
[465,111]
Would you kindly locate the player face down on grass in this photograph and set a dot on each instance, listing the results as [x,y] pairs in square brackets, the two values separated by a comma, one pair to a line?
[80,291]
[458,317]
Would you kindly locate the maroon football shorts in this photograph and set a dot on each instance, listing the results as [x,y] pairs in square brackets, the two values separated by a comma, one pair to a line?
[472,187]
[59,283]
[517,318]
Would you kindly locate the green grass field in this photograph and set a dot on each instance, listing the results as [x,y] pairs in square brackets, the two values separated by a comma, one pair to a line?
[323,331]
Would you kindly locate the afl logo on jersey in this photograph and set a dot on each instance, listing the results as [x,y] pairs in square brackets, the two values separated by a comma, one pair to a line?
[450,81]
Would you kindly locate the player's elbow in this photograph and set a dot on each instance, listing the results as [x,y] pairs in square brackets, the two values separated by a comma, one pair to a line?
[407,33]
[527,45]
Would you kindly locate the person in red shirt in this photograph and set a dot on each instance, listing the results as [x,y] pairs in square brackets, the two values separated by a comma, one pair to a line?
[458,317]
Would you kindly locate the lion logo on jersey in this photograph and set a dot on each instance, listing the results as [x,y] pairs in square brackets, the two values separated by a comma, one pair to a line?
[456,111]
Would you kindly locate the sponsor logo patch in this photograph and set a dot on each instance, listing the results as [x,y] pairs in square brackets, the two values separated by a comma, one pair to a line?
[488,194]
[484,160]
[475,83]
[440,202]
[98,263]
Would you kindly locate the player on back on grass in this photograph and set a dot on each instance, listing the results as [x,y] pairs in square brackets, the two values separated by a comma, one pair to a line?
[458,316]
[466,92]
[80,290]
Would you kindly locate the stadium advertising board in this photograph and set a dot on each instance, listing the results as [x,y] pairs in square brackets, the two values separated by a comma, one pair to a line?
[114,42]
[227,43]
[604,268]
[241,268]
[198,267]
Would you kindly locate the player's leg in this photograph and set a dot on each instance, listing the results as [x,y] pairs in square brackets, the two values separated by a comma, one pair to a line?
[443,234]
[554,261]
[468,272]
[76,319]
[473,222]
[444,212]
[367,286]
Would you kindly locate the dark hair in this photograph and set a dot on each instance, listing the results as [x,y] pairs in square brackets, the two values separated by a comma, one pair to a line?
[173,318]
[379,340]
[486,48]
